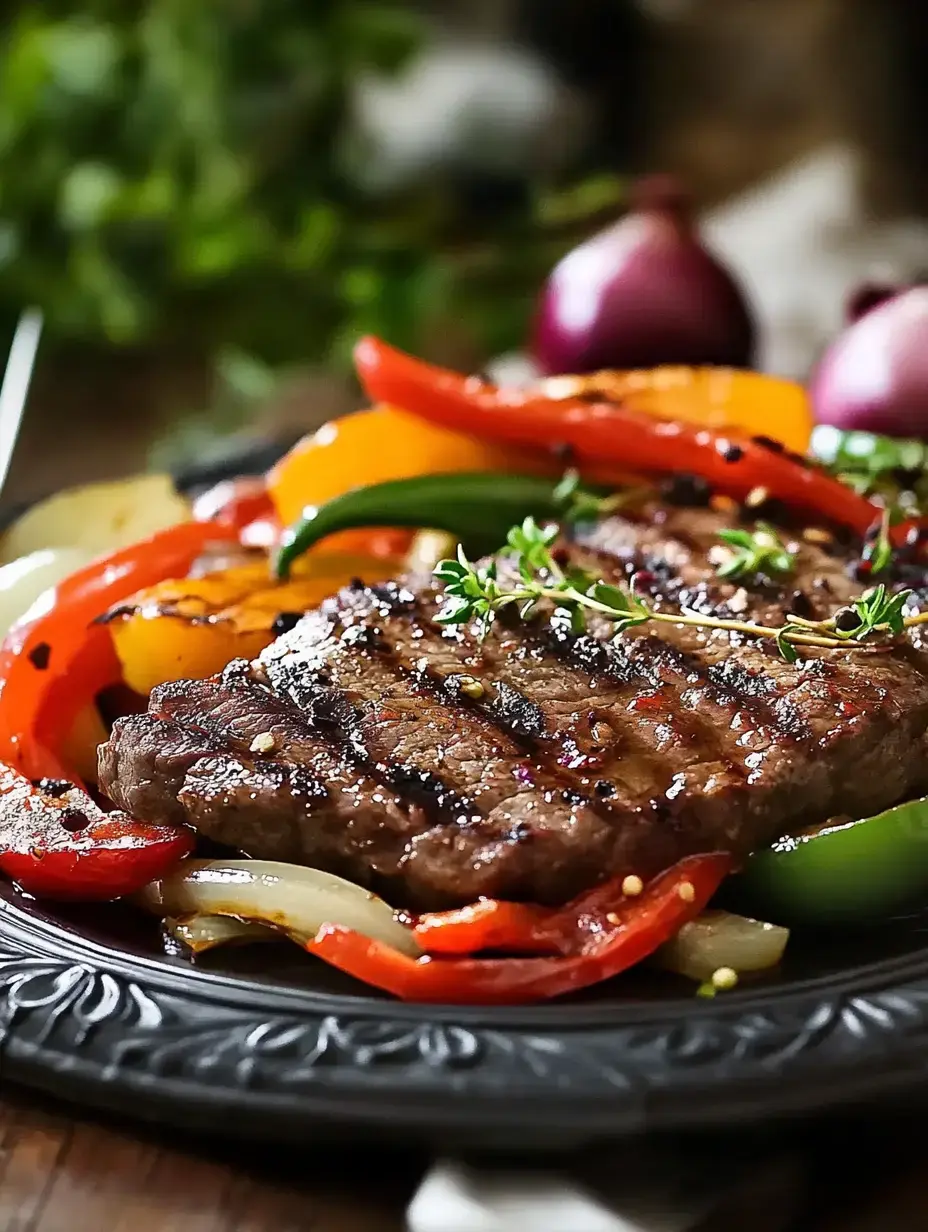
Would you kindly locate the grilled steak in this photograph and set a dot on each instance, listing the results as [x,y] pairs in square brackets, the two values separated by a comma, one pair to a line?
[434,769]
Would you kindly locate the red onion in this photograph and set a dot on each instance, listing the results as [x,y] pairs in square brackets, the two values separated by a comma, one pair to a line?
[641,294]
[874,376]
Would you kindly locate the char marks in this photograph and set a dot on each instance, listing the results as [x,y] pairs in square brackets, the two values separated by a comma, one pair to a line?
[436,768]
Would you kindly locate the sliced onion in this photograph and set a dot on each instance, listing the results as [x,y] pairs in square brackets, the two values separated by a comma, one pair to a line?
[718,939]
[200,933]
[289,897]
[27,579]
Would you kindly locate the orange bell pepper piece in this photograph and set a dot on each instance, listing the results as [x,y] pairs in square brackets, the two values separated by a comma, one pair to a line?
[370,447]
[191,628]
[750,403]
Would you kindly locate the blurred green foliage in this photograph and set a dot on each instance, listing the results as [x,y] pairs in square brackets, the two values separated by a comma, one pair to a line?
[181,170]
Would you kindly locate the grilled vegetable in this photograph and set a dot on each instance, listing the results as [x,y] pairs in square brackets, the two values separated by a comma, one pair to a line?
[604,943]
[97,518]
[843,872]
[57,843]
[192,627]
[602,434]
[369,448]
[717,940]
[719,399]
[295,900]
[23,580]
[476,508]
[52,665]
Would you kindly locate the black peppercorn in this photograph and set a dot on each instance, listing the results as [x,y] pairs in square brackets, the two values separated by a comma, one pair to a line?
[40,655]
[285,621]
[847,619]
[73,819]
[730,451]
[686,490]
[603,788]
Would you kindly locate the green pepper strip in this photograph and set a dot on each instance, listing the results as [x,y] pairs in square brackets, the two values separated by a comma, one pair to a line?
[843,872]
[478,508]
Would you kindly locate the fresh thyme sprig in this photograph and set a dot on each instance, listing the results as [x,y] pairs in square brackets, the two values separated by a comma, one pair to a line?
[578,504]
[474,593]
[755,552]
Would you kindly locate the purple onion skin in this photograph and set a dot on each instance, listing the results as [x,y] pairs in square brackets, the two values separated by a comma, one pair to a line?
[641,294]
[874,376]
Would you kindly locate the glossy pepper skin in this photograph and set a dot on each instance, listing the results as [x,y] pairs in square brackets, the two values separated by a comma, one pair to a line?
[57,843]
[601,944]
[845,872]
[477,508]
[54,663]
[597,434]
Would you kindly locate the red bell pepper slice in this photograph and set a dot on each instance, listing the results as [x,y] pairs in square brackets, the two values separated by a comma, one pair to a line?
[54,662]
[599,434]
[523,928]
[605,945]
[56,842]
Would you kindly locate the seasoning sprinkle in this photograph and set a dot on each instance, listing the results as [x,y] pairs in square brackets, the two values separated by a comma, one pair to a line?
[471,687]
[687,891]
[818,536]
[756,497]
[601,732]
[724,979]
[264,742]
[632,886]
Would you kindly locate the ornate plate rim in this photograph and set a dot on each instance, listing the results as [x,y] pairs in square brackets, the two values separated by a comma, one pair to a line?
[185,1046]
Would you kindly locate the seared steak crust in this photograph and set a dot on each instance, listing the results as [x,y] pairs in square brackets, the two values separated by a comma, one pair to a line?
[357,743]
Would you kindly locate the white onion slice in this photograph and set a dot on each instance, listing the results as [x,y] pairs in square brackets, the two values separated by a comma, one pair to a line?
[289,897]
[718,939]
[200,933]
[25,581]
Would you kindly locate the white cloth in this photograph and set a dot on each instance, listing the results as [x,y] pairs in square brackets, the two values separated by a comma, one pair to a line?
[625,1189]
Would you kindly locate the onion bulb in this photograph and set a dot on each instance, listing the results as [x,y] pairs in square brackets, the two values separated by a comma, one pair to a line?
[295,900]
[718,939]
[874,376]
[643,293]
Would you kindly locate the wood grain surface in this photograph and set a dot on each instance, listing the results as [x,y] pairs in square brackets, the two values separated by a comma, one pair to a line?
[65,1170]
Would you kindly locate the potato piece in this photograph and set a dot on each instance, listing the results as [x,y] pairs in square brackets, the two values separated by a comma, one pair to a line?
[188,629]
[99,517]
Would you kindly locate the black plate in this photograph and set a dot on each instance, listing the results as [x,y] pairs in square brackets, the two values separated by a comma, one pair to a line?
[270,1043]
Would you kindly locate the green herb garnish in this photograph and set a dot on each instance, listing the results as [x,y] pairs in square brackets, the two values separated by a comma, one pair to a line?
[474,593]
[755,552]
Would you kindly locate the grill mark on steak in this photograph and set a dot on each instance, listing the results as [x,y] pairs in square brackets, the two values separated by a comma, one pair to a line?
[704,740]
[647,740]
[400,724]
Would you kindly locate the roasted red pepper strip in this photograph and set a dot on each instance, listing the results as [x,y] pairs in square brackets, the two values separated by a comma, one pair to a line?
[524,928]
[600,434]
[490,924]
[65,847]
[40,660]
[607,945]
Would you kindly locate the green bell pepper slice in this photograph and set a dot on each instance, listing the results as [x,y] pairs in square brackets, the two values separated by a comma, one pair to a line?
[843,872]
[477,507]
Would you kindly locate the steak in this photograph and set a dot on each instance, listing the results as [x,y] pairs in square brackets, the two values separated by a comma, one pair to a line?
[433,768]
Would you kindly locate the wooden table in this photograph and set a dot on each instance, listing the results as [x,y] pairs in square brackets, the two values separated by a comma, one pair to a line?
[64,1170]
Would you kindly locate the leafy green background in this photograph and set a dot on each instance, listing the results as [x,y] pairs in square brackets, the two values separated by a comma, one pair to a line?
[181,171]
